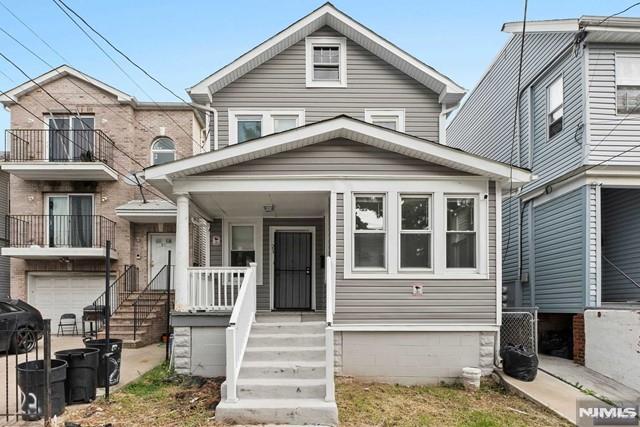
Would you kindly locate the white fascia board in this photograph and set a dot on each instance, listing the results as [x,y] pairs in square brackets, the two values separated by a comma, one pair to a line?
[549,26]
[347,128]
[319,18]
[56,73]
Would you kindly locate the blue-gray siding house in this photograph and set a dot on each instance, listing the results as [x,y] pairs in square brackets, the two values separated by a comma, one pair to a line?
[571,237]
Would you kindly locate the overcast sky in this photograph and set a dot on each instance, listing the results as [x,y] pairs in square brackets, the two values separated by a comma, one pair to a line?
[181,42]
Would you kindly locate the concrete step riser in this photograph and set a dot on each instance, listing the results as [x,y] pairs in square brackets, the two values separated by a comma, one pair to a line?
[299,372]
[295,416]
[275,341]
[287,329]
[290,318]
[284,355]
[260,391]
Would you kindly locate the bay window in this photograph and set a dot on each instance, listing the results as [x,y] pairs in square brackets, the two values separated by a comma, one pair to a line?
[461,232]
[415,232]
[370,232]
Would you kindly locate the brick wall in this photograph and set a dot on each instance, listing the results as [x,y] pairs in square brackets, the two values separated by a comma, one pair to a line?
[132,130]
[578,339]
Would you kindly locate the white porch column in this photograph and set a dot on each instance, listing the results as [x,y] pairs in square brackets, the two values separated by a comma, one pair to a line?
[181,274]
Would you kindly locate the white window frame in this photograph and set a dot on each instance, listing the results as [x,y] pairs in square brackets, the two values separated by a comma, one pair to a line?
[618,56]
[161,150]
[385,230]
[267,120]
[548,110]
[69,118]
[256,223]
[438,188]
[341,44]
[476,219]
[371,114]
[428,231]
[45,209]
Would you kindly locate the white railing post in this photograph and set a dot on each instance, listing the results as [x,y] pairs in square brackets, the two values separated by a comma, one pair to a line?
[232,395]
[330,280]
[330,393]
[181,275]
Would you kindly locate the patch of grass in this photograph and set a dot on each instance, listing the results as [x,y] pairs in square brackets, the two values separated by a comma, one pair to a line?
[444,405]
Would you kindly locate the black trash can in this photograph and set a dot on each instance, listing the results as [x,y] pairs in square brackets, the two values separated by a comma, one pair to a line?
[109,356]
[31,383]
[82,374]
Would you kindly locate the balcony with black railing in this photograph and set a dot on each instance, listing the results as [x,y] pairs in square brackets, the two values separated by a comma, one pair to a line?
[65,155]
[59,236]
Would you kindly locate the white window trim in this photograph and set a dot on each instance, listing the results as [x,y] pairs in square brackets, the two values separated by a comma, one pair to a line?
[428,231]
[45,209]
[47,126]
[618,55]
[161,150]
[476,219]
[341,43]
[438,190]
[398,115]
[267,120]
[385,231]
[548,107]
[257,241]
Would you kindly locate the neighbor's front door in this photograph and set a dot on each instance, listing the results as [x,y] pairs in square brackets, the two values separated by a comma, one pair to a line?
[292,273]
[161,244]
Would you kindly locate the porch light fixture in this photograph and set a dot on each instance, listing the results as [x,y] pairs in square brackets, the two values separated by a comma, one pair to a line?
[268,208]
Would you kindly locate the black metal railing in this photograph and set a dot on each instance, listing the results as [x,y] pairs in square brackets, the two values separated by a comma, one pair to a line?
[59,231]
[63,145]
[121,288]
[150,296]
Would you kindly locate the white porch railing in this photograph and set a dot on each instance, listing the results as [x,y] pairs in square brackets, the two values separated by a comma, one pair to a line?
[242,317]
[328,338]
[214,288]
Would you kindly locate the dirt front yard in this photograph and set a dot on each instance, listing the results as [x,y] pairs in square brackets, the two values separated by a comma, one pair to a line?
[161,398]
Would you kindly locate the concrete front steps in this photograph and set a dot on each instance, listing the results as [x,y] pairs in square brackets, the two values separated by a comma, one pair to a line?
[151,330]
[282,377]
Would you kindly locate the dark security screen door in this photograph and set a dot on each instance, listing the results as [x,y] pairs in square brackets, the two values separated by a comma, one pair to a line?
[292,270]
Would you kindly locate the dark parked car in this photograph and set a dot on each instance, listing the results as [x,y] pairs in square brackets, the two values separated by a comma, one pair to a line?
[21,326]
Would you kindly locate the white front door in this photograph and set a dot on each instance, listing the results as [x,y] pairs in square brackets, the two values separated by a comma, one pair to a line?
[160,244]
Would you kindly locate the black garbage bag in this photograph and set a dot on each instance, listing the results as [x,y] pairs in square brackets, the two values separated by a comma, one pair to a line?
[519,363]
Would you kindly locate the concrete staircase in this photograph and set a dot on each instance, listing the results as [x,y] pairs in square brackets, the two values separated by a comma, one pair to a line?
[151,330]
[282,377]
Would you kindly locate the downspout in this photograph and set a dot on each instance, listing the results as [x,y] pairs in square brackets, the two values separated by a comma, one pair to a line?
[209,109]
[442,121]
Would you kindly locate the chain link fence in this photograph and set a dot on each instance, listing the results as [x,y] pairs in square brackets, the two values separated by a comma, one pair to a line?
[519,327]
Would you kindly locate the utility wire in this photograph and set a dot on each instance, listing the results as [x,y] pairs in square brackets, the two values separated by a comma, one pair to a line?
[515,122]
[7,76]
[63,7]
[618,13]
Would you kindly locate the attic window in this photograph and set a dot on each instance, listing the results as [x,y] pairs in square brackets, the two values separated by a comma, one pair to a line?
[326,61]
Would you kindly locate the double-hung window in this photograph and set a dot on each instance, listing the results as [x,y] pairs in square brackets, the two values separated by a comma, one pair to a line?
[555,107]
[370,232]
[390,119]
[242,245]
[415,232]
[326,61]
[627,84]
[245,125]
[461,232]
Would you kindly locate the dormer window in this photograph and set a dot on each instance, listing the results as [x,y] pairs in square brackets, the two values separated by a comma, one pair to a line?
[326,59]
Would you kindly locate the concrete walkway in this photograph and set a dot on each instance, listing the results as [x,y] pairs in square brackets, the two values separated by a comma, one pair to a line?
[135,362]
[584,378]
[548,391]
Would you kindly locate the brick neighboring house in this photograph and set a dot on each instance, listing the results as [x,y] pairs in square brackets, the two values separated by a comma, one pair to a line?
[70,192]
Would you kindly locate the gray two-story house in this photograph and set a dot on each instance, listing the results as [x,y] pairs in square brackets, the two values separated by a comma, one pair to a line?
[570,237]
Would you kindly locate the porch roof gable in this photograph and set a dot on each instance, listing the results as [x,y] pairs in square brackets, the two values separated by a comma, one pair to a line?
[340,127]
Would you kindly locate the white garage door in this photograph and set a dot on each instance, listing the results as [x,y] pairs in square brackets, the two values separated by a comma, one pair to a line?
[56,294]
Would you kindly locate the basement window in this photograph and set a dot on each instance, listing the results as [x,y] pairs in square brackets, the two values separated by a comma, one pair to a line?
[326,61]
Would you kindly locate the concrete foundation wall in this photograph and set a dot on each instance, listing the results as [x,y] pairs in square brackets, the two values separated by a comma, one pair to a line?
[412,357]
[612,344]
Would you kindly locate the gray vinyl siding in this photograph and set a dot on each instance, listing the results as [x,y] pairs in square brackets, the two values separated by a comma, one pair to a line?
[610,134]
[526,259]
[280,83]
[484,124]
[337,156]
[560,253]
[264,291]
[215,253]
[4,210]
[620,243]
[510,240]
[360,301]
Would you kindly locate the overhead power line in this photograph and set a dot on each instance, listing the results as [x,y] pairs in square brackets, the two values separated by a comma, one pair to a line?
[63,7]
[618,13]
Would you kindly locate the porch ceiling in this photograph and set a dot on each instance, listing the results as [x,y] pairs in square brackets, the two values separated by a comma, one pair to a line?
[251,204]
